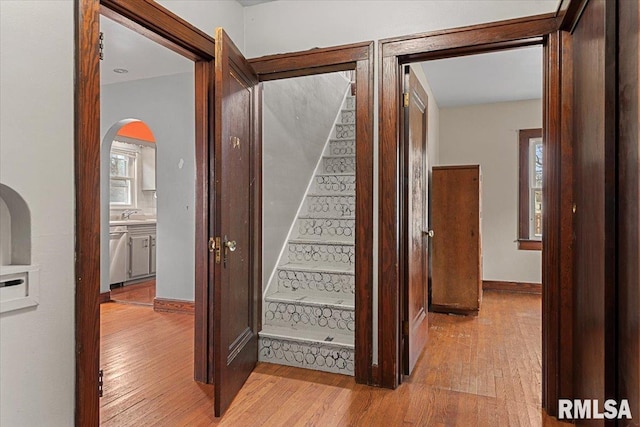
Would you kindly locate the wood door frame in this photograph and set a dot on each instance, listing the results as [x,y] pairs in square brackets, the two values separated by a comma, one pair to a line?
[162,26]
[358,57]
[395,52]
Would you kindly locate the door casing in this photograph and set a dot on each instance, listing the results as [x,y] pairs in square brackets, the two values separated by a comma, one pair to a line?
[357,57]
[394,53]
[160,25]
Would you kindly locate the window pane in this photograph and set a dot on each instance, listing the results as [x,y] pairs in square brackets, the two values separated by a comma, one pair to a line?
[119,165]
[120,192]
[538,165]
[537,214]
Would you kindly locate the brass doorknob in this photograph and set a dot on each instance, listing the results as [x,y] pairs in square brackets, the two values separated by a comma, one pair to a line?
[231,245]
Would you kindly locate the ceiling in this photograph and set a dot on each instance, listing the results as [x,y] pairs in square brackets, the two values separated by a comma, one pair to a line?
[143,58]
[511,75]
[246,3]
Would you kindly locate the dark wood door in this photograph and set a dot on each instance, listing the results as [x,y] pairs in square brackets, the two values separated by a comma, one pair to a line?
[456,255]
[628,212]
[594,198]
[236,207]
[415,299]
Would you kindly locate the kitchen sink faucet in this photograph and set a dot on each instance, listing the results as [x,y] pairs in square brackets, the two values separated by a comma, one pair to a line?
[127,214]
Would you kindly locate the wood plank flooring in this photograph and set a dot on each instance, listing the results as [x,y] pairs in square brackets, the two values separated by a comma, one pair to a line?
[475,371]
[139,293]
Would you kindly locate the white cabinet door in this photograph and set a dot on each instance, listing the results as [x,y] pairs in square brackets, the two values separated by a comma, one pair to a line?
[152,254]
[139,260]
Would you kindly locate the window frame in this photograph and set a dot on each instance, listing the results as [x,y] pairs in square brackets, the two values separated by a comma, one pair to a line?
[131,178]
[525,241]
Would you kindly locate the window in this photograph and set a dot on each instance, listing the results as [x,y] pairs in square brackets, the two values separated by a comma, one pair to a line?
[530,190]
[122,178]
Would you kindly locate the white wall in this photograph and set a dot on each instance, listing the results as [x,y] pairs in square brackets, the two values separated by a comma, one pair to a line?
[298,115]
[167,105]
[210,14]
[287,26]
[5,233]
[36,160]
[487,135]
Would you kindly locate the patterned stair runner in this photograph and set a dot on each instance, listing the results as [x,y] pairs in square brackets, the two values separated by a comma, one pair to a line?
[310,317]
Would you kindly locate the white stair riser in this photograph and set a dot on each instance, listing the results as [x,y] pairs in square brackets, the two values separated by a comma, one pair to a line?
[339,164]
[329,206]
[315,282]
[327,254]
[350,102]
[348,117]
[334,184]
[346,131]
[302,316]
[342,147]
[330,228]
[317,356]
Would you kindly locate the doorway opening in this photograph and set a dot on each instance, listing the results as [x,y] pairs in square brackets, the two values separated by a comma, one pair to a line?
[309,193]
[478,105]
[159,26]
[536,30]
[147,209]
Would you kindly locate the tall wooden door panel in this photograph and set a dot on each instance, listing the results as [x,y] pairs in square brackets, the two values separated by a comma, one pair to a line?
[415,298]
[236,286]
[594,198]
[456,275]
[628,212]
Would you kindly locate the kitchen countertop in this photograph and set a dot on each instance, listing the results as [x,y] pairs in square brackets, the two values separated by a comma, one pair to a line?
[151,221]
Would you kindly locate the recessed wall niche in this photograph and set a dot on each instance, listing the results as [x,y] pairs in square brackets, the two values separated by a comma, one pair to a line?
[18,277]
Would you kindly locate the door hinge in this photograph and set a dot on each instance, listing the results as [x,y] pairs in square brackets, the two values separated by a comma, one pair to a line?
[405,328]
[405,97]
[214,246]
[101,45]
[100,382]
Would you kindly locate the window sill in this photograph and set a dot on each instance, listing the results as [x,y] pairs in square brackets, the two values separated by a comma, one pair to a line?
[529,245]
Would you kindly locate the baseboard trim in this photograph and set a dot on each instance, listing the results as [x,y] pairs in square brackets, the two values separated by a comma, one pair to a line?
[518,287]
[173,306]
[104,297]
[447,309]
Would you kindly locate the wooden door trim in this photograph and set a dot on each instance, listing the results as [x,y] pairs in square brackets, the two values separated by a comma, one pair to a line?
[153,21]
[162,26]
[358,57]
[313,61]
[394,53]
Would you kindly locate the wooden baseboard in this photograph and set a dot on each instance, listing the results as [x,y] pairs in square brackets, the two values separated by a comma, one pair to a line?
[173,306]
[527,288]
[439,308]
[104,297]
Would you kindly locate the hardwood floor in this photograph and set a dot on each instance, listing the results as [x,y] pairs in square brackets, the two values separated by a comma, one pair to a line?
[138,293]
[475,371]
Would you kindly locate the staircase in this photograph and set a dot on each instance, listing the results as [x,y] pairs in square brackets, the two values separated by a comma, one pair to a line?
[309,310]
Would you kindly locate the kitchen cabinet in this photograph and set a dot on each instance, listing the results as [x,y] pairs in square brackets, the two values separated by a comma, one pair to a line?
[142,251]
[148,156]
[456,274]
[152,255]
[139,256]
